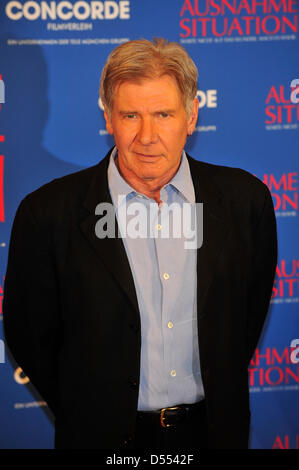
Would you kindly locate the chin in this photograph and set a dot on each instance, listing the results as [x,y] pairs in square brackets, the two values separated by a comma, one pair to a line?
[150,174]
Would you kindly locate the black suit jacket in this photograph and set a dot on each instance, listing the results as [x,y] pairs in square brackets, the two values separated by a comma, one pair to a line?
[71,315]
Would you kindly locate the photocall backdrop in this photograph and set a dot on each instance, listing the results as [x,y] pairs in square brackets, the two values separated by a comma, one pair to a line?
[52,124]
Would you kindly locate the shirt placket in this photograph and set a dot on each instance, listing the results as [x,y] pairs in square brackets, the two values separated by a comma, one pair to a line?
[167,281]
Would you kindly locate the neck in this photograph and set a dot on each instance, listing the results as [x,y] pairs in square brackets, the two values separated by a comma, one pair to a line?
[150,187]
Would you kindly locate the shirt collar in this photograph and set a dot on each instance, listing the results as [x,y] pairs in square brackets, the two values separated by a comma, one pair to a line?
[181,182]
[117,185]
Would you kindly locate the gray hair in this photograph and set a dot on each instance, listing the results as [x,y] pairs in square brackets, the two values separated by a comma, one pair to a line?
[142,59]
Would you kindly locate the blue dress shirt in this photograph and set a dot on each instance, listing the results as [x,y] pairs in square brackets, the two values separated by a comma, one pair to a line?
[165,280]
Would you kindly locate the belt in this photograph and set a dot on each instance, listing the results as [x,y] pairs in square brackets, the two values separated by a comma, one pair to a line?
[172,416]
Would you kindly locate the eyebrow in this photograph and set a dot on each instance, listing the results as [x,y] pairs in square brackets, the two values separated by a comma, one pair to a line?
[167,111]
[128,112]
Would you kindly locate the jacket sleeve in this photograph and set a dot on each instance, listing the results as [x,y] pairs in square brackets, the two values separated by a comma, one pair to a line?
[30,304]
[262,272]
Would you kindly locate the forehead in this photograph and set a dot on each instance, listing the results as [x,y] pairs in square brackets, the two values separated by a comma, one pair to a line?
[158,91]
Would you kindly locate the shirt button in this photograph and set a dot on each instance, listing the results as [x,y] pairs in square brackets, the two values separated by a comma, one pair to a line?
[173,373]
[166,276]
[159,227]
[170,324]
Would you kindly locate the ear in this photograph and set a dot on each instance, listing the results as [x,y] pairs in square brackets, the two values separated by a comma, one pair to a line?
[109,126]
[193,116]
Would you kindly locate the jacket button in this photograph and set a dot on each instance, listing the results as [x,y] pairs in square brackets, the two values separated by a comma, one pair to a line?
[127,441]
[133,384]
[135,327]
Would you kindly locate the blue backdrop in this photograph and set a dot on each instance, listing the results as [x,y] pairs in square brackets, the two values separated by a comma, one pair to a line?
[51,124]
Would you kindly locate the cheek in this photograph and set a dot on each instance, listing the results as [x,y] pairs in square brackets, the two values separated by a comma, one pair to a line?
[175,134]
[122,141]
[176,140]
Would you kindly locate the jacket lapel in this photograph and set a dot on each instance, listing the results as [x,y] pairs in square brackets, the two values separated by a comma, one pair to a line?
[110,250]
[215,228]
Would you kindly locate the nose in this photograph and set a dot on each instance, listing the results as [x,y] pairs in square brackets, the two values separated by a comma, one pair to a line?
[147,132]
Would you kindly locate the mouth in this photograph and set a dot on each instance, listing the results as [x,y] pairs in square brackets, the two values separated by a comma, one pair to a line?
[147,157]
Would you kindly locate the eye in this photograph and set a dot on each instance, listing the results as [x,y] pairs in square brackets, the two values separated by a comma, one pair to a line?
[164,115]
[130,116]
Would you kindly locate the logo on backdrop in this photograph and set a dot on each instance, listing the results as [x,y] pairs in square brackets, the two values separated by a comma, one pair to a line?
[284,191]
[207,99]
[65,11]
[68,16]
[295,351]
[286,282]
[273,370]
[295,90]
[286,441]
[282,106]
[2,139]
[22,379]
[2,91]
[211,21]
[1,296]
[2,352]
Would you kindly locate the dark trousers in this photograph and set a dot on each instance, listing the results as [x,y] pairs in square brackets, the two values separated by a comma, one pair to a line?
[188,434]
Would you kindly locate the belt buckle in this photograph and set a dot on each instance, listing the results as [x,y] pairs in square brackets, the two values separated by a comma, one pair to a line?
[162,417]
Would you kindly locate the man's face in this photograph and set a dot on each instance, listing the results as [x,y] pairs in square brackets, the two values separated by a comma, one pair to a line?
[150,125]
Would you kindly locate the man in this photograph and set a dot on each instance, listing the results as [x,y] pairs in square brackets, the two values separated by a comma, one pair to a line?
[140,342]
